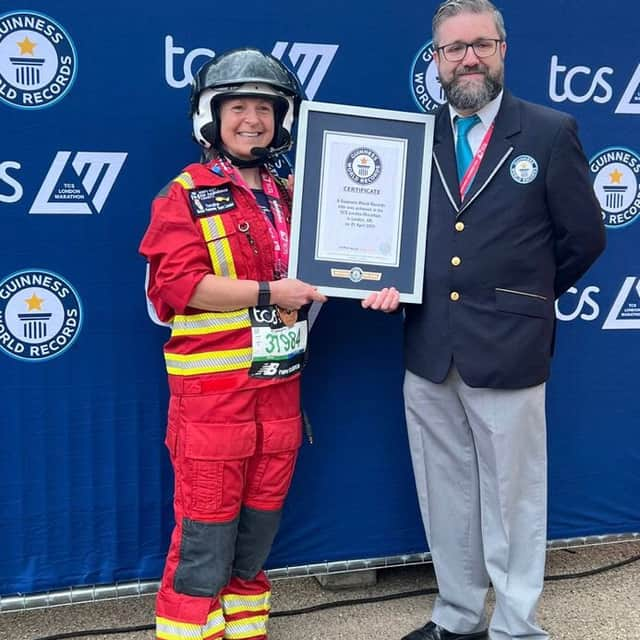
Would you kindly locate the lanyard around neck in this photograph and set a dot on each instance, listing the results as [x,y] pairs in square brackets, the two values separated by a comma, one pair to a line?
[278,230]
[472,170]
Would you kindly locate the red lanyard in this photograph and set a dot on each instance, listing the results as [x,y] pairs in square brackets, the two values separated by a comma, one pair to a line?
[279,230]
[472,170]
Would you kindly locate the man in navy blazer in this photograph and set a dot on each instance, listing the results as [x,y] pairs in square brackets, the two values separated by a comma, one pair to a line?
[513,223]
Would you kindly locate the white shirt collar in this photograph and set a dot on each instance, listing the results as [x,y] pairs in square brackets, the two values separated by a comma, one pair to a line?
[487,114]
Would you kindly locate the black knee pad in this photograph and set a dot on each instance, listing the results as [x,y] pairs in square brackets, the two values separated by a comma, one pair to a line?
[206,557]
[256,532]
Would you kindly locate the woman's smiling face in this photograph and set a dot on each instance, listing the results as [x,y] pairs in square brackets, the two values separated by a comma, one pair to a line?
[246,123]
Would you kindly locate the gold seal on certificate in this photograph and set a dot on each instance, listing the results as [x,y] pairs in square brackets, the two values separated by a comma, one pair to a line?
[361,200]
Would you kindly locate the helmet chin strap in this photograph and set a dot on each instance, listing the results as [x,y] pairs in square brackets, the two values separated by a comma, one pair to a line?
[262,155]
[243,163]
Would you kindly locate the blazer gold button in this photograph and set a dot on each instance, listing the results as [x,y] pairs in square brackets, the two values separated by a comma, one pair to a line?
[455,261]
[459,226]
[455,296]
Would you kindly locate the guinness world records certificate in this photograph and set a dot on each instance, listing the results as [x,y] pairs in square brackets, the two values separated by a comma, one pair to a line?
[361,200]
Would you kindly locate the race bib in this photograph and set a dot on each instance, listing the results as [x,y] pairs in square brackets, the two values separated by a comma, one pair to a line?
[278,349]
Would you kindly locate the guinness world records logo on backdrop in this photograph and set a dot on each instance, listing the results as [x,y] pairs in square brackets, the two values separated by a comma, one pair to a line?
[615,172]
[38,60]
[426,89]
[40,315]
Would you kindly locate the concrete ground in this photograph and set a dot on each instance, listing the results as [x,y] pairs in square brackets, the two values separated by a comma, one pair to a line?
[605,606]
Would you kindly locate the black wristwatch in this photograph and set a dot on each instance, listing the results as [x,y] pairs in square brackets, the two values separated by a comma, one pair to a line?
[264,294]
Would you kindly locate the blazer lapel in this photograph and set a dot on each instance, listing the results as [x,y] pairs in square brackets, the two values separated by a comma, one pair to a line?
[445,156]
[507,124]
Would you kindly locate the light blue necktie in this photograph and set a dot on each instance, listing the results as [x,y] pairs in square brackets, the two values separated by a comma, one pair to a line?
[464,154]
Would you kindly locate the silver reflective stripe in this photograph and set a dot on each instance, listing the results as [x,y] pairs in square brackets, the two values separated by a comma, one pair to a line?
[185,180]
[215,624]
[210,362]
[203,323]
[219,248]
[234,603]
[173,630]
[246,628]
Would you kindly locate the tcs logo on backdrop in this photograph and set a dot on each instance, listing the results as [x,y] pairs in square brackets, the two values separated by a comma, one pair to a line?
[583,84]
[583,304]
[310,61]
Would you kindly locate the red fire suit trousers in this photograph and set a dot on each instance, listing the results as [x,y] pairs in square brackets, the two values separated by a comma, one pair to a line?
[233,455]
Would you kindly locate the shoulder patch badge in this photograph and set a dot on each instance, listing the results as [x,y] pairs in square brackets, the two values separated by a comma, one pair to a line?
[211,200]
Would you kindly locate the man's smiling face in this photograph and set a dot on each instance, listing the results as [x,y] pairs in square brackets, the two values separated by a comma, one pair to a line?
[472,82]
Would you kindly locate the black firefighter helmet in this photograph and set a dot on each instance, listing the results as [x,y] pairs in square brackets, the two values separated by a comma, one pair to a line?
[244,72]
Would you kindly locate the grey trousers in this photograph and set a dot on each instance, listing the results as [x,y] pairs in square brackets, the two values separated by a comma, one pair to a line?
[480,465]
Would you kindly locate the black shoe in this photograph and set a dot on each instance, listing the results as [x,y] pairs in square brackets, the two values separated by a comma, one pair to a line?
[432,631]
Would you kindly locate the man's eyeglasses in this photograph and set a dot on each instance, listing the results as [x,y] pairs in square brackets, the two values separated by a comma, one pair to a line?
[483,48]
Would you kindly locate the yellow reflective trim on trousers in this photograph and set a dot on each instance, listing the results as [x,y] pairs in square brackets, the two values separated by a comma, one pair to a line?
[235,603]
[174,630]
[185,180]
[179,364]
[219,248]
[246,628]
[203,323]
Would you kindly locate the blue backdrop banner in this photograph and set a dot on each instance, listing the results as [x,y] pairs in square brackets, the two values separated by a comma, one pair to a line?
[93,123]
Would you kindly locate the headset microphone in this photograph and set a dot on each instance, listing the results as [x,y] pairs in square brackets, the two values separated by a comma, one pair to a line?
[259,152]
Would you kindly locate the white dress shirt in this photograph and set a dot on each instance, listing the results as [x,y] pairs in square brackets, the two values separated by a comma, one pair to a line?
[487,115]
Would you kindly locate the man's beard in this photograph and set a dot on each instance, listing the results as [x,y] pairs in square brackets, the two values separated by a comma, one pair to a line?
[471,96]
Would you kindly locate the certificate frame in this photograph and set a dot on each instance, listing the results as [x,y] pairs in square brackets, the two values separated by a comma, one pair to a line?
[361,200]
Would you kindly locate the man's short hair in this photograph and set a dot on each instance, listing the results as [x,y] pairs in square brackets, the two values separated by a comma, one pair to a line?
[450,8]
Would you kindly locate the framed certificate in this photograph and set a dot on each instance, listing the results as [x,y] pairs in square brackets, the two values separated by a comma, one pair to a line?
[361,200]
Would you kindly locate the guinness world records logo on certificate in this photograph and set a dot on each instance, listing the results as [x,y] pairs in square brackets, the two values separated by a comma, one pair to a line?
[363,165]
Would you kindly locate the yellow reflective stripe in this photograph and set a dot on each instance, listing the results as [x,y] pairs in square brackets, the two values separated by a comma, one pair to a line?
[185,180]
[246,627]
[203,323]
[234,603]
[209,362]
[219,248]
[174,630]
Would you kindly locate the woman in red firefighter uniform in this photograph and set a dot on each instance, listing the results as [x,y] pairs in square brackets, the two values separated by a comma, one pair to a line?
[217,247]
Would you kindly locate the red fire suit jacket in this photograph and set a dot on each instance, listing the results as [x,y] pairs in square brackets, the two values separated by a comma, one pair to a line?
[203,223]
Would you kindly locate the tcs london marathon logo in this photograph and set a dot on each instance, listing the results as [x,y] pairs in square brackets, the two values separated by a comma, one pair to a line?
[616,180]
[40,315]
[425,84]
[38,60]
[625,312]
[77,182]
